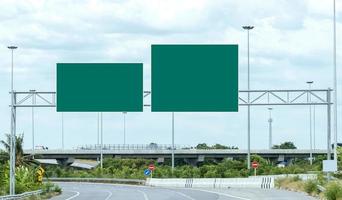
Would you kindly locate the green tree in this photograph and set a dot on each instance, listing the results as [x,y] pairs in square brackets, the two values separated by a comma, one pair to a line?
[285,145]
[202,146]
[20,159]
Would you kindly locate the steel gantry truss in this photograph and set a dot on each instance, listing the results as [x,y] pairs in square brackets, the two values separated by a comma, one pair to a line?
[321,97]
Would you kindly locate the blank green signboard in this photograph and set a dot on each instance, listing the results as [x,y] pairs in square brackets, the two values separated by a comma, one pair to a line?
[99,87]
[194,78]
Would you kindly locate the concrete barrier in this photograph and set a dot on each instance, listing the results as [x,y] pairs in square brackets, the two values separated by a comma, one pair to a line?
[303,177]
[250,182]
[99,180]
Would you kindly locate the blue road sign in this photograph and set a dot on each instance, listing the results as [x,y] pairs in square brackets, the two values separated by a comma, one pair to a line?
[147,172]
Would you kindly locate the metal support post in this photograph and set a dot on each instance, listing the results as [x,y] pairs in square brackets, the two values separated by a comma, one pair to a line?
[310,118]
[98,128]
[124,126]
[173,141]
[13,146]
[33,103]
[101,156]
[329,124]
[329,127]
[62,131]
[270,128]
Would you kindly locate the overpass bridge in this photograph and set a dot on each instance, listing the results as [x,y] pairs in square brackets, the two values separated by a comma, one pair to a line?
[192,156]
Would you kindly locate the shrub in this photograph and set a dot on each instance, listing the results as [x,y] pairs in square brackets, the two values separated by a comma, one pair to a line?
[333,191]
[310,187]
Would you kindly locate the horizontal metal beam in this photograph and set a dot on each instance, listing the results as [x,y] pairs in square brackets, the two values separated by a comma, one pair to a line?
[257,98]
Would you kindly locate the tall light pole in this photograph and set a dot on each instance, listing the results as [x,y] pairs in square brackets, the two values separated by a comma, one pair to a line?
[248,28]
[335,84]
[124,127]
[270,120]
[13,130]
[309,100]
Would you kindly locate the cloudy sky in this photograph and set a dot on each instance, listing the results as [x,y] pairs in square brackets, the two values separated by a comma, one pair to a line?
[291,44]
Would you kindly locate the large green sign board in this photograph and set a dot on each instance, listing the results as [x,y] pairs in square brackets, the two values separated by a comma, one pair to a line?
[194,78]
[99,87]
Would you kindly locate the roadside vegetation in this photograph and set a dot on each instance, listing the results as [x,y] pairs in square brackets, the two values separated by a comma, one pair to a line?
[320,187]
[26,172]
[331,190]
[210,168]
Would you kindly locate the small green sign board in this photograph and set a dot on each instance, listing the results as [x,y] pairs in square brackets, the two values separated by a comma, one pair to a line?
[99,87]
[194,78]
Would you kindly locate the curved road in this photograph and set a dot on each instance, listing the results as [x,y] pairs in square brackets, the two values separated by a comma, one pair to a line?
[98,191]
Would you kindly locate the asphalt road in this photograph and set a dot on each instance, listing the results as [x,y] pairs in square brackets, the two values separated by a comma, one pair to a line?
[98,191]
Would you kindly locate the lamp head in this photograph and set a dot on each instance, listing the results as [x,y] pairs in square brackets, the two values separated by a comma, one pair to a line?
[248,27]
[12,47]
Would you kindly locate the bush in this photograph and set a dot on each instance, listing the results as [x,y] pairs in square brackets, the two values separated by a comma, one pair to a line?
[310,187]
[333,191]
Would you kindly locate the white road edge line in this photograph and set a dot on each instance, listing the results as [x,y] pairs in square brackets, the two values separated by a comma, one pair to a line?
[76,195]
[222,194]
[145,195]
[110,195]
[184,195]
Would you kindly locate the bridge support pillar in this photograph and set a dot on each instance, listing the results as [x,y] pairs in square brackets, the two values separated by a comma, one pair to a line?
[65,161]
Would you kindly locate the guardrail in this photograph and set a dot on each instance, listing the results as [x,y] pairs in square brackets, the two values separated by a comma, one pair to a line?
[21,196]
[100,180]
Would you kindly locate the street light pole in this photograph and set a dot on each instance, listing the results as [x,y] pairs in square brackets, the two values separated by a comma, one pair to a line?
[335,84]
[310,112]
[248,28]
[13,130]
[270,128]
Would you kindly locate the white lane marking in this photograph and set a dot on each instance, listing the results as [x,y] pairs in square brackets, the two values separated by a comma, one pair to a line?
[223,194]
[110,195]
[186,196]
[76,195]
[145,195]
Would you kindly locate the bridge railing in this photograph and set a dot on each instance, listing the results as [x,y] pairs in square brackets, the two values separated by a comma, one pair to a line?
[132,147]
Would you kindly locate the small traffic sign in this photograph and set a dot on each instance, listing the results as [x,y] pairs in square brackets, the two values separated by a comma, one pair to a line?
[255,164]
[147,172]
[151,167]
